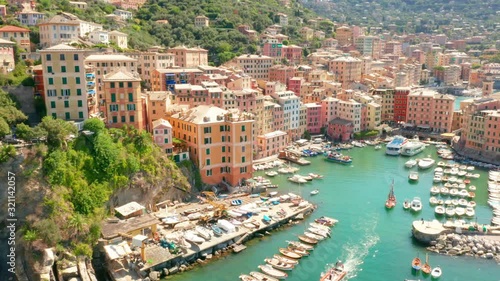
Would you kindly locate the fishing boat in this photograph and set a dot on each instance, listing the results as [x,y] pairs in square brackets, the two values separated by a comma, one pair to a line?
[289,254]
[271,173]
[436,272]
[413,176]
[301,245]
[314,236]
[439,210]
[406,204]
[426,268]
[191,236]
[469,211]
[394,147]
[236,202]
[216,230]
[416,204]
[203,232]
[314,192]
[286,260]
[244,277]
[411,148]
[335,273]
[320,232]
[279,264]
[262,277]
[299,251]
[308,240]
[338,158]
[297,179]
[416,264]
[426,163]
[269,270]
[411,163]
[391,198]
[315,176]
[326,221]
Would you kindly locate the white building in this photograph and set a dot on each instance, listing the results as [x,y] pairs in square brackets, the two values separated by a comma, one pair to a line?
[124,15]
[119,38]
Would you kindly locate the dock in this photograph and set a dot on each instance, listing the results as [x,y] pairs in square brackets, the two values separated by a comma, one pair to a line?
[293,157]
[157,258]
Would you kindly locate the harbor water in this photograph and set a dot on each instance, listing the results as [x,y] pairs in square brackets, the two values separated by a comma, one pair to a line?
[375,243]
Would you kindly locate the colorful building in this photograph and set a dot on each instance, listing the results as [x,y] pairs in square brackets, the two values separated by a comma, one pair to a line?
[256,66]
[271,143]
[429,110]
[162,135]
[313,118]
[400,103]
[7,56]
[17,34]
[340,129]
[189,57]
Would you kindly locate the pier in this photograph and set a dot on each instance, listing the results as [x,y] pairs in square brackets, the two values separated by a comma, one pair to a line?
[131,266]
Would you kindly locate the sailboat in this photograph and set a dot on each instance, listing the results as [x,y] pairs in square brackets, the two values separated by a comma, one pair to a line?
[426,268]
[391,198]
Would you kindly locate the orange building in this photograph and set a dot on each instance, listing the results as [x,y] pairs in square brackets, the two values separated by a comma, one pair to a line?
[428,109]
[123,102]
[272,143]
[219,141]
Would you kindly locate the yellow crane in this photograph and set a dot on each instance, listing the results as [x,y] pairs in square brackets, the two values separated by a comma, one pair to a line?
[220,210]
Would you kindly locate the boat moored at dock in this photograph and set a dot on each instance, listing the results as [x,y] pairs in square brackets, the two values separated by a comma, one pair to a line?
[412,148]
[394,147]
[338,158]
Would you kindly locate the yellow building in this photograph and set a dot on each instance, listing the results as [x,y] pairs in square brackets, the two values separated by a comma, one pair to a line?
[189,57]
[219,141]
[124,103]
[69,85]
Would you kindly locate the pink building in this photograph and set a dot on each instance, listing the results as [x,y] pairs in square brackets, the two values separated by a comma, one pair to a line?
[272,143]
[430,110]
[162,135]
[279,114]
[272,49]
[328,110]
[292,53]
[295,84]
[281,73]
[313,121]
[340,129]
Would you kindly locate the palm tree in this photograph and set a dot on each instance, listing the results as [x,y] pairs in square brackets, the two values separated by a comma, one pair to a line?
[77,223]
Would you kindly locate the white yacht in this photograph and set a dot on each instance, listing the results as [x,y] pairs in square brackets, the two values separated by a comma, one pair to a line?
[395,145]
[426,163]
[297,179]
[412,148]
[416,204]
[411,163]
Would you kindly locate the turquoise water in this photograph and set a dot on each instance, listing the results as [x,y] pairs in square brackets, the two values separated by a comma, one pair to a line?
[375,244]
[458,99]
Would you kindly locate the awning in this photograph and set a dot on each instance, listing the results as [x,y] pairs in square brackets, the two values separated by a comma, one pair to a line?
[406,125]
[448,135]
[424,126]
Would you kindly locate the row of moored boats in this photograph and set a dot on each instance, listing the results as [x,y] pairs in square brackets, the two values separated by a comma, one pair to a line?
[494,195]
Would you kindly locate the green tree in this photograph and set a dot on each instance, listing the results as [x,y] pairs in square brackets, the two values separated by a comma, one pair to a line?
[58,131]
[306,135]
[94,125]
[4,128]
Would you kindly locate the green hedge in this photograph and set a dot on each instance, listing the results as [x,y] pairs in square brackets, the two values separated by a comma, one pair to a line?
[366,134]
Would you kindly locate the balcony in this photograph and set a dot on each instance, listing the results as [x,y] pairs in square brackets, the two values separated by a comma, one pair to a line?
[91,94]
[90,76]
[90,85]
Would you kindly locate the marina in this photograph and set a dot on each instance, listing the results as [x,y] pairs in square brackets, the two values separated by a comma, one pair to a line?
[368,233]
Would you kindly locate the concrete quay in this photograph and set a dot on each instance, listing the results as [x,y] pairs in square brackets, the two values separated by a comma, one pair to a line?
[159,259]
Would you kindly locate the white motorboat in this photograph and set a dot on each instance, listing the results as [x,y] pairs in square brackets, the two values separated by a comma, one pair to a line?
[450,211]
[286,260]
[471,204]
[411,163]
[435,190]
[426,163]
[462,202]
[271,173]
[319,232]
[453,192]
[262,277]
[192,237]
[436,272]
[406,204]
[279,264]
[412,148]
[441,164]
[297,179]
[244,277]
[447,202]
[433,200]
[463,193]
[269,270]
[454,202]
[395,145]
[378,147]
[439,210]
[300,245]
[438,170]
[437,178]
[461,173]
[459,211]
[472,188]
[203,232]
[469,211]
[413,176]
[444,191]
[314,192]
[315,176]
[320,226]
[416,204]
[313,236]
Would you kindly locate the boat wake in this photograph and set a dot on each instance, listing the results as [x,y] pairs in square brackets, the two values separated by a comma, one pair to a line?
[358,250]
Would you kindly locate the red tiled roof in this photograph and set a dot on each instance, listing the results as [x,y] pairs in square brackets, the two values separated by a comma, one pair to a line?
[11,28]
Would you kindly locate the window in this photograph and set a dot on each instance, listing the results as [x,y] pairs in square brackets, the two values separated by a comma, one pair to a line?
[61,57]
[165,140]
[80,115]
[66,104]
[130,97]
[209,172]
[78,92]
[75,57]
[115,119]
[207,130]
[208,140]
[120,84]
[223,149]
[131,107]
[165,131]
[243,159]
[132,118]
[113,107]
[242,149]
[77,68]
[49,69]
[222,128]
[113,97]
[52,104]
[223,159]
[54,115]
[129,84]
[64,80]
[48,57]
[63,68]
[243,169]
[223,138]
[112,85]
[207,162]
[77,79]
[51,93]
[80,103]
[208,151]
[51,81]
[67,115]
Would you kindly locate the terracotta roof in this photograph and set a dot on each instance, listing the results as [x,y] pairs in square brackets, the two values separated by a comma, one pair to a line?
[121,75]
[11,28]
[6,42]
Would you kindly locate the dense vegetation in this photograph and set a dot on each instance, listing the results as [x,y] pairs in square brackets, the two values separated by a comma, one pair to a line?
[10,114]
[82,172]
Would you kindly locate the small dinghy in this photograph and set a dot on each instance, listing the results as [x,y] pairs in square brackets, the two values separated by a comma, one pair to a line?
[300,245]
[314,192]
[269,270]
[308,240]
[439,210]
[279,264]
[406,204]
[416,264]
[289,254]
[436,272]
[299,251]
[286,260]
[262,277]
[244,277]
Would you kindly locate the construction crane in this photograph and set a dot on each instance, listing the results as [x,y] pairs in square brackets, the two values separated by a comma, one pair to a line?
[220,210]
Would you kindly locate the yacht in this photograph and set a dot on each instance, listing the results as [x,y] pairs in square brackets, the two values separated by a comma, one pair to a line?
[395,145]
[426,163]
[411,163]
[412,148]
[416,204]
